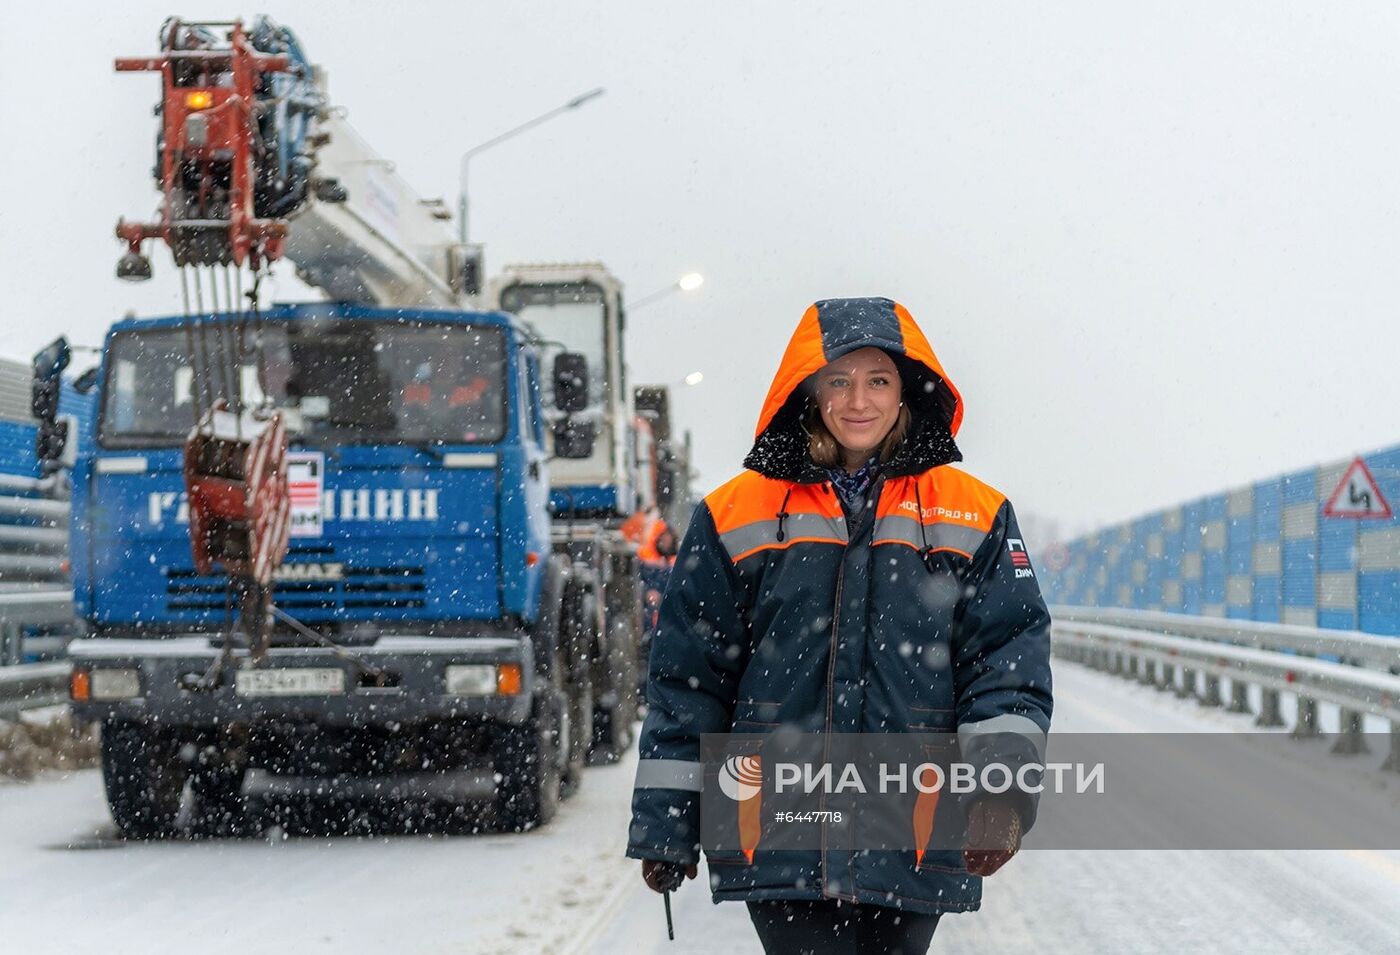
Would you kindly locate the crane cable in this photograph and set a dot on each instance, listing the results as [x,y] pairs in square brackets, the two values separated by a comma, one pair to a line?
[196,405]
[230,349]
[217,367]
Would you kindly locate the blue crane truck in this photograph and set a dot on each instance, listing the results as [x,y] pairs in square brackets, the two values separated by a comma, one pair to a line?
[446,629]
[457,611]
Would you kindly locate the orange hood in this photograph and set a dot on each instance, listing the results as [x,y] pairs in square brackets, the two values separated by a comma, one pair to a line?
[835,327]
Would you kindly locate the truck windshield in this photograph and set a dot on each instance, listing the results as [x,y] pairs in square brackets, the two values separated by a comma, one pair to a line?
[338,381]
[572,315]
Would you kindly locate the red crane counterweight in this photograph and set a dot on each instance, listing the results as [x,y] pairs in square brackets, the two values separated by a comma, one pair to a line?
[236,480]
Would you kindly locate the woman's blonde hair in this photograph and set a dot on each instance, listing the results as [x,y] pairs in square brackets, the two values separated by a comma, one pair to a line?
[825,450]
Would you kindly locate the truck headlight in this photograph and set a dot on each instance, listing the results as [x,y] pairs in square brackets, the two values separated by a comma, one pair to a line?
[482,679]
[474,679]
[109,683]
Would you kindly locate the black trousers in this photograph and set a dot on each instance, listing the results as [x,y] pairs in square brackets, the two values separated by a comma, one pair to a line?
[824,928]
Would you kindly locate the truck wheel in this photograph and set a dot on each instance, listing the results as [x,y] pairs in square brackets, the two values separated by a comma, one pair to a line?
[615,674]
[217,785]
[615,702]
[577,670]
[144,777]
[581,713]
[526,761]
[612,731]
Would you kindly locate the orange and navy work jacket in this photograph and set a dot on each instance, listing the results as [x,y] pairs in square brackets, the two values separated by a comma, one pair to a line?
[920,612]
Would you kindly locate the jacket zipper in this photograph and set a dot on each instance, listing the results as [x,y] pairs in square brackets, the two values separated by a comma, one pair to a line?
[831,699]
[872,501]
[831,663]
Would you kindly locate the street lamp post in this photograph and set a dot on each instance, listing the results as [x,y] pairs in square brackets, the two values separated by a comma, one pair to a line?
[572,104]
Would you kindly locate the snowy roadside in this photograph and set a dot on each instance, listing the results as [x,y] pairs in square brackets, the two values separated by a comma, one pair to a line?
[45,738]
[494,894]
[575,868]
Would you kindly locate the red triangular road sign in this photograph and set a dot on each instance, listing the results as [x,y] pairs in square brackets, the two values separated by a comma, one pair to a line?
[1357,495]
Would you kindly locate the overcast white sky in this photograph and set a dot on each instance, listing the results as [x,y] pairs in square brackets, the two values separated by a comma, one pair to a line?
[1154,245]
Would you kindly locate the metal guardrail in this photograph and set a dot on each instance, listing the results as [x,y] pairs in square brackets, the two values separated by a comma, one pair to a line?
[36,600]
[25,686]
[1366,649]
[1361,677]
[25,607]
[32,685]
[33,529]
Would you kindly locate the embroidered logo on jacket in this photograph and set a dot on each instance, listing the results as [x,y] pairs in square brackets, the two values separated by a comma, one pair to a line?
[952,514]
[1019,558]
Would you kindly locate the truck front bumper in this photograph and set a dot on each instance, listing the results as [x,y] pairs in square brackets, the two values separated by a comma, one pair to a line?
[173,690]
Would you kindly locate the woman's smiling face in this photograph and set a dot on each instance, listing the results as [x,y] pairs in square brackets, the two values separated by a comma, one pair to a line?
[858,398]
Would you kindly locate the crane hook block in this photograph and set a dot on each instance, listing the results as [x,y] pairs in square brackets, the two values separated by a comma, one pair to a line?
[236,482]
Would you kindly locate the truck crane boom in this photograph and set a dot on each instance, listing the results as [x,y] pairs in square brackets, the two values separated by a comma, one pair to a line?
[365,236]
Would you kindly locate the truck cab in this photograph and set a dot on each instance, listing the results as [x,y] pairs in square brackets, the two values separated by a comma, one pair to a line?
[578,308]
[428,626]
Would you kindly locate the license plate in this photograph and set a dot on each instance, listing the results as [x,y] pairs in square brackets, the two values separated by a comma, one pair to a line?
[320,681]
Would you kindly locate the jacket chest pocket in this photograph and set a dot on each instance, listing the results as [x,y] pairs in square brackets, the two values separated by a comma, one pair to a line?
[933,719]
[755,716]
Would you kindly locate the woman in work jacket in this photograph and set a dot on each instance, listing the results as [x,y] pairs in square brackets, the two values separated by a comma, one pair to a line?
[850,580]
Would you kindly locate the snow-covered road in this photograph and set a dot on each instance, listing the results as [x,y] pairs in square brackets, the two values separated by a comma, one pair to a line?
[66,885]
[1111,902]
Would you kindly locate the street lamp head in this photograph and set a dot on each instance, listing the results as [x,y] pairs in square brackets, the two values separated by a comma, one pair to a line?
[582,98]
[694,378]
[686,283]
[574,103]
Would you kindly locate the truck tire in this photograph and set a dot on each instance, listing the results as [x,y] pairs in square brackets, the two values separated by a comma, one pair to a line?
[576,666]
[526,762]
[612,733]
[216,783]
[615,701]
[144,777]
[615,671]
[580,731]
